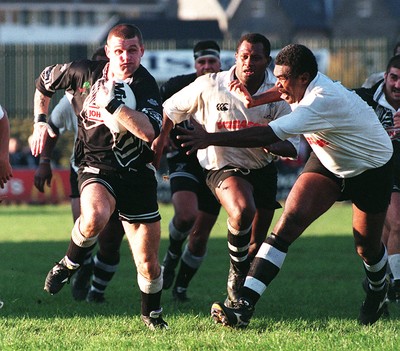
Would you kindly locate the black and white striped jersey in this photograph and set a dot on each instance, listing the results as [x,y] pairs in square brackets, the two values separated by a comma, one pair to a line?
[96,144]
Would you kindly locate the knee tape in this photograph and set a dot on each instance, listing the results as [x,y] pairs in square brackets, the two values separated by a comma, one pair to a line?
[191,260]
[150,286]
[236,231]
[81,240]
[177,234]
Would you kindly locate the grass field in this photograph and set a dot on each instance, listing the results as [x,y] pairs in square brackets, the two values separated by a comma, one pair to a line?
[312,305]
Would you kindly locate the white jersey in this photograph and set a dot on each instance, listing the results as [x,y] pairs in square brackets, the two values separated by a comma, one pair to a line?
[343,131]
[64,118]
[1,112]
[210,102]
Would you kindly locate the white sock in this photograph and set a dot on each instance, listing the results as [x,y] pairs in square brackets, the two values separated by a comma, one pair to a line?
[394,263]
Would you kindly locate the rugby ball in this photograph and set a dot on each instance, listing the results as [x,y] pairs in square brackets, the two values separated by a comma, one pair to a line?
[122,92]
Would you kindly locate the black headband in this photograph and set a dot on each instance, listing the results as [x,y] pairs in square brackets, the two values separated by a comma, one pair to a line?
[206,52]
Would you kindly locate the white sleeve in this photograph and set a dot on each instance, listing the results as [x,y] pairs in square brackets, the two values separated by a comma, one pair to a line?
[284,109]
[62,114]
[180,106]
[1,112]
[303,120]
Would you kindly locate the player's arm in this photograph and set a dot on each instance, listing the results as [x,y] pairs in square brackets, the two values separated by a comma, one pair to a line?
[198,138]
[282,148]
[44,174]
[136,122]
[271,95]
[162,141]
[41,128]
[5,167]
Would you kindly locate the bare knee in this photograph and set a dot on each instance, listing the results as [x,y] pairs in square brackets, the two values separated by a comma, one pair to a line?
[241,217]
[148,268]
[184,220]
[92,223]
[368,252]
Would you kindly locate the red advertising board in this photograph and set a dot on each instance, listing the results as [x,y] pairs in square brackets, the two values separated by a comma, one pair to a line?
[20,189]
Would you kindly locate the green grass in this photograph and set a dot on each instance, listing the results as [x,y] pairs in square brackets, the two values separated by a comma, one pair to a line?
[312,305]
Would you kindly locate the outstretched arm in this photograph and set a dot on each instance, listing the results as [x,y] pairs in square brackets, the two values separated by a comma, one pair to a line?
[282,148]
[198,138]
[162,141]
[271,95]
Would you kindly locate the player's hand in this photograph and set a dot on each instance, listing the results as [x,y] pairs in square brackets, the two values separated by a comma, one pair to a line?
[41,130]
[43,176]
[241,92]
[105,97]
[396,119]
[394,131]
[5,172]
[158,146]
[105,94]
[193,139]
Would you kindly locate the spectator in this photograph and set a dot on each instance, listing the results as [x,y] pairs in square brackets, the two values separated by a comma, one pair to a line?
[20,157]
[378,77]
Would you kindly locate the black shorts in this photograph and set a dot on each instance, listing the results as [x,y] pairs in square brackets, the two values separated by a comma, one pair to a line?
[263,180]
[135,191]
[188,175]
[73,181]
[370,191]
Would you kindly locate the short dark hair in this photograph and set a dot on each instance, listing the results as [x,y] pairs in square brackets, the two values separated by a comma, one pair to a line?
[254,38]
[299,58]
[393,62]
[396,47]
[100,54]
[126,31]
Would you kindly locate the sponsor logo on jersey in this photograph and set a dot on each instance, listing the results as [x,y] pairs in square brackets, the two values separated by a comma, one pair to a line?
[222,106]
[93,114]
[237,124]
[319,142]
[85,88]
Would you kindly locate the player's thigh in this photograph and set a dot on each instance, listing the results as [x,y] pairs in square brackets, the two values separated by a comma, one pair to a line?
[236,195]
[311,196]
[185,205]
[97,204]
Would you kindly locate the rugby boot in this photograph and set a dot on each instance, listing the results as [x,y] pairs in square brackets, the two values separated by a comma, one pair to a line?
[237,317]
[374,304]
[155,320]
[58,276]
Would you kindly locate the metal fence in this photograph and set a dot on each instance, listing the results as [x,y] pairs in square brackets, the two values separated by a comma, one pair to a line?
[350,61]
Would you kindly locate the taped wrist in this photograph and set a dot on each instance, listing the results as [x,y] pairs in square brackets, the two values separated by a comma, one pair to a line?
[41,117]
[113,105]
[44,159]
